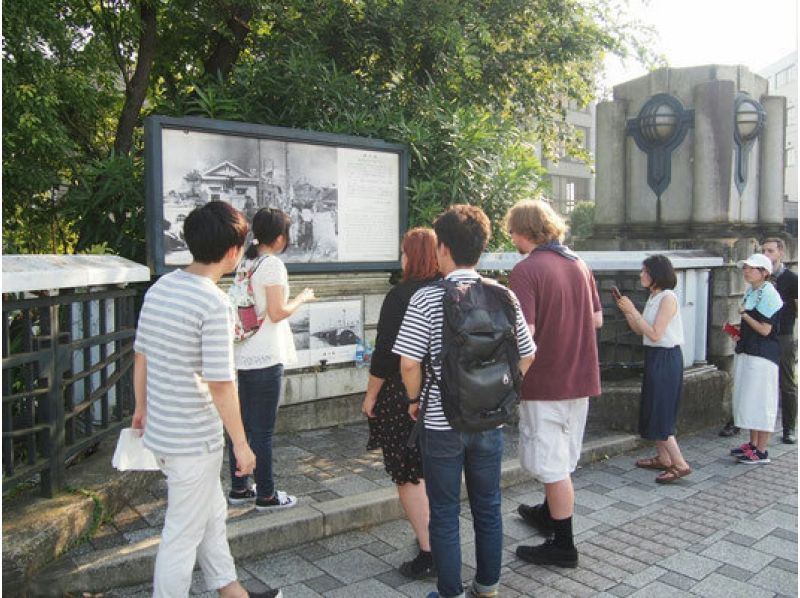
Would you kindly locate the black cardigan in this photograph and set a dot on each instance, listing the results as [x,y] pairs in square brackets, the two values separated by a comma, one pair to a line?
[384,363]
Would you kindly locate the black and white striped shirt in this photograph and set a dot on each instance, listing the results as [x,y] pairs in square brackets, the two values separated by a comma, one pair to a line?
[421,334]
[185,331]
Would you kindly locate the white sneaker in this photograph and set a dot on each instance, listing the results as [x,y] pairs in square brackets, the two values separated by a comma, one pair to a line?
[280,500]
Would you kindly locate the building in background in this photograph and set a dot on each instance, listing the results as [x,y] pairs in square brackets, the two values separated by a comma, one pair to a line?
[782,78]
[572,181]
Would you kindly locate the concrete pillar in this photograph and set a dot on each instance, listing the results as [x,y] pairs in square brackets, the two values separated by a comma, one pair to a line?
[713,147]
[610,161]
[772,140]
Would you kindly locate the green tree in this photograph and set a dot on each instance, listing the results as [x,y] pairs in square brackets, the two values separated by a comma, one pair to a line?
[581,220]
[470,86]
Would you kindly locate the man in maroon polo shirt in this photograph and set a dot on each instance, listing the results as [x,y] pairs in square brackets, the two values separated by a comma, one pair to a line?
[559,299]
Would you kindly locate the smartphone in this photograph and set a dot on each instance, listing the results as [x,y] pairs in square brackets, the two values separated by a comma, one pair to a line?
[615,293]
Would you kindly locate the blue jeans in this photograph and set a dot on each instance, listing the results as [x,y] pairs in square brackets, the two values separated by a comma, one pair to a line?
[259,393]
[444,455]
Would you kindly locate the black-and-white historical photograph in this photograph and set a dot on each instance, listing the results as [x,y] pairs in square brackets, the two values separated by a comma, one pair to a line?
[251,174]
[200,167]
[299,324]
[327,330]
[300,179]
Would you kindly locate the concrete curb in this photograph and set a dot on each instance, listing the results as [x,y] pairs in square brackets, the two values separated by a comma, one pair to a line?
[132,565]
[38,530]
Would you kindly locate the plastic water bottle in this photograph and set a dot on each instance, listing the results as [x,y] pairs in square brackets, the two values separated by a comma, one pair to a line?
[359,354]
[368,349]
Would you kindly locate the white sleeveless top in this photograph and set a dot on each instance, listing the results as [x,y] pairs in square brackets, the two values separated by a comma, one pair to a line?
[673,335]
[273,343]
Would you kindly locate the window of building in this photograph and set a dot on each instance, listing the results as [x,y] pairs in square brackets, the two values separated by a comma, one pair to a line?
[790,156]
[791,115]
[567,192]
[241,190]
[583,135]
[785,76]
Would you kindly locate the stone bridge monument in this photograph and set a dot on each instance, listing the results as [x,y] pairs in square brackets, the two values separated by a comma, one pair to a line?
[692,158]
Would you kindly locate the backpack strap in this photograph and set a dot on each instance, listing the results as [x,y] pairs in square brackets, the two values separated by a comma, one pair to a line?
[420,423]
[252,270]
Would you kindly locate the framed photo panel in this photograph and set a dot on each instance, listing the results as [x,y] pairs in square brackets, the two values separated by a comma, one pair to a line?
[326,331]
[345,195]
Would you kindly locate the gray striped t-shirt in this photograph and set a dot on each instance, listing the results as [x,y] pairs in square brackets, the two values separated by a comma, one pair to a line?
[421,334]
[185,332]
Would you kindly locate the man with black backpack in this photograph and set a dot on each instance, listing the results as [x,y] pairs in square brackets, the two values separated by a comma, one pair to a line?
[558,295]
[464,347]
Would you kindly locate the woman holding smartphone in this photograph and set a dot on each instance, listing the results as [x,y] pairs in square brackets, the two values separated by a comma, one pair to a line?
[662,330]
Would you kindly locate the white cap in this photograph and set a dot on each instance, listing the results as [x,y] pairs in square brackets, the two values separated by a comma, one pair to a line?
[757,260]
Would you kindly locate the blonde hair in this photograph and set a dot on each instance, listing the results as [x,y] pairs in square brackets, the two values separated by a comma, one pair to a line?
[536,221]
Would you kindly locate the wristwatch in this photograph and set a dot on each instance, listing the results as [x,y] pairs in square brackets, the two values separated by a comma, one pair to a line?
[414,401]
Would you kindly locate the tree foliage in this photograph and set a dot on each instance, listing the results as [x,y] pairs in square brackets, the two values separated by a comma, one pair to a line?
[471,87]
[581,221]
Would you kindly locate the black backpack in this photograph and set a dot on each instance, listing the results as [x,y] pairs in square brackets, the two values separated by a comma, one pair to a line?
[480,380]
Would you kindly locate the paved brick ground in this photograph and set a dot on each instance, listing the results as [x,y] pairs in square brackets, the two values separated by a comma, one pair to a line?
[727,530]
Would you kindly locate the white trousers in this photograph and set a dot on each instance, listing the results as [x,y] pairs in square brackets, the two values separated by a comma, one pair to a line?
[551,436]
[194,527]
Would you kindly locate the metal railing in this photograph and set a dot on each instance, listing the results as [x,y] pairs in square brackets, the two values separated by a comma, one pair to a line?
[67,379]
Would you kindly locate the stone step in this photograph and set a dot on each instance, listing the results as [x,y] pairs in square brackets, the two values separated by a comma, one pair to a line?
[103,570]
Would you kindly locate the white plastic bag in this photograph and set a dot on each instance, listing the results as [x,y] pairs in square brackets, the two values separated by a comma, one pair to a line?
[131,454]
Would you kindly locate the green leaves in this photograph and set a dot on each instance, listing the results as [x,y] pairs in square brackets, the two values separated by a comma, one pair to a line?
[471,87]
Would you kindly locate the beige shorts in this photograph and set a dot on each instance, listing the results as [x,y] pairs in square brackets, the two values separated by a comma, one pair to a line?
[551,436]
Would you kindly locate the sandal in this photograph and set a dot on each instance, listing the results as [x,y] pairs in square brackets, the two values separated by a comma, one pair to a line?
[651,463]
[671,474]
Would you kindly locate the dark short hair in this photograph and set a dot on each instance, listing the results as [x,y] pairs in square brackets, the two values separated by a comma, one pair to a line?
[268,225]
[661,272]
[211,230]
[465,230]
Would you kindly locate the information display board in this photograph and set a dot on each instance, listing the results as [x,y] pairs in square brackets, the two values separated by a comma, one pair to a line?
[345,195]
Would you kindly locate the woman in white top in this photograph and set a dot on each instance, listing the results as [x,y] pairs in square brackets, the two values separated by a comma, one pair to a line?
[261,357]
[662,329]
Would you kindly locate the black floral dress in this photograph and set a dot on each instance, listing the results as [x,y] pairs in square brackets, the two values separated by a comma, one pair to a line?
[390,428]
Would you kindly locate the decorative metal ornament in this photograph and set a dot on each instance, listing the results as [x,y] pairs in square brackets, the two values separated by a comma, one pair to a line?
[749,117]
[661,126]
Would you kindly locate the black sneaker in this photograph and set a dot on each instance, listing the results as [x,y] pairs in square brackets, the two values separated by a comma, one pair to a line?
[755,457]
[241,497]
[537,518]
[789,437]
[729,430]
[421,567]
[267,594]
[279,500]
[549,554]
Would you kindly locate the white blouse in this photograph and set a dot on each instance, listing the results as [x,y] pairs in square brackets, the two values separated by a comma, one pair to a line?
[273,343]
[673,335]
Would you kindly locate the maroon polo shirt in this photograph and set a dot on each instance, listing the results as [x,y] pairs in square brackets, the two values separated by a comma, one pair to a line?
[559,297]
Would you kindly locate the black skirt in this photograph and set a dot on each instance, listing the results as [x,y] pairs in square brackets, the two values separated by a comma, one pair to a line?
[661,392]
[390,429]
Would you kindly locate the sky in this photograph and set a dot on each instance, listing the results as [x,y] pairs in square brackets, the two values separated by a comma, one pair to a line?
[695,32]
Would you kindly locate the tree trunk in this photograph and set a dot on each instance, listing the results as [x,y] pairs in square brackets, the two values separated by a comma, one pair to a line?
[226,48]
[136,91]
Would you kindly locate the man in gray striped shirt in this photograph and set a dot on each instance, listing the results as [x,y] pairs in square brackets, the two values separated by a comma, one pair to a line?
[184,383]
[462,233]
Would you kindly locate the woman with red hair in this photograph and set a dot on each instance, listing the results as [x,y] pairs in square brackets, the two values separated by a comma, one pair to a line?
[386,402]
